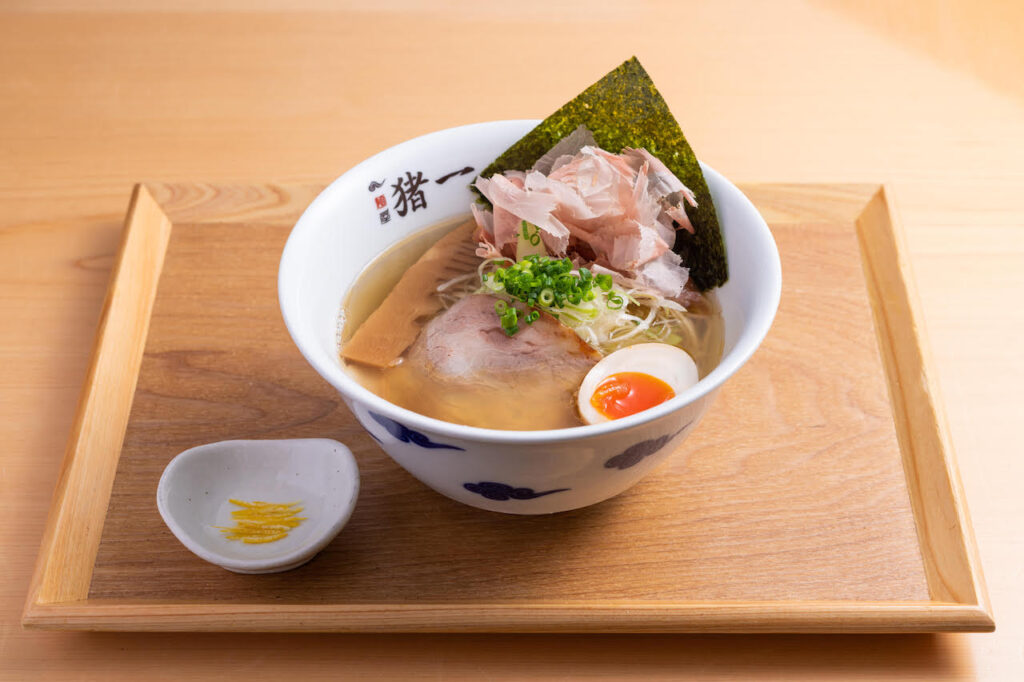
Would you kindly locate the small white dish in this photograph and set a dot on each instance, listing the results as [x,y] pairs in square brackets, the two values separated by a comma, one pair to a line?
[195,489]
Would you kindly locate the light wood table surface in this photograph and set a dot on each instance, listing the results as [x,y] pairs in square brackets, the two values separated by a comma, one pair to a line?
[928,97]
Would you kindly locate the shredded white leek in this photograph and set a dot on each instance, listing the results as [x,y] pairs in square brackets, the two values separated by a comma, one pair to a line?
[645,316]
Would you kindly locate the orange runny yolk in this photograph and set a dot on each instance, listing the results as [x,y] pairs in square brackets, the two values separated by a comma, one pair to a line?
[626,393]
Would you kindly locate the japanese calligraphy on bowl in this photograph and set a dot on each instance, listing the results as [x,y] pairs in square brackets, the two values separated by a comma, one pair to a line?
[408,192]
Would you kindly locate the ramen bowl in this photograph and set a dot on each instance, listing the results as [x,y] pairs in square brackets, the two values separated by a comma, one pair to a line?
[420,183]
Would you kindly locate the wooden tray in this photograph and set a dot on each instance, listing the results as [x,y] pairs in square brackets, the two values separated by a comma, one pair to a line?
[818,495]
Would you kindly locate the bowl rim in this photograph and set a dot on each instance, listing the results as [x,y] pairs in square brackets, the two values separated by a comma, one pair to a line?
[304,551]
[747,343]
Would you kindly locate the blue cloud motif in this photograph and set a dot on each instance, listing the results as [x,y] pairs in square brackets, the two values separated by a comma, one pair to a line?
[634,454]
[406,435]
[502,492]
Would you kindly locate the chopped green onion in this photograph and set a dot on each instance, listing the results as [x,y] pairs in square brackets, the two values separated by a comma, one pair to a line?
[550,284]
[509,320]
[534,238]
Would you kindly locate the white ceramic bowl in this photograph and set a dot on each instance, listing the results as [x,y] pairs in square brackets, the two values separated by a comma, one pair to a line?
[195,488]
[519,472]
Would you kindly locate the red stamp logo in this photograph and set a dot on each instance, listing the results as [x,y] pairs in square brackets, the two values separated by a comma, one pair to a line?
[381,201]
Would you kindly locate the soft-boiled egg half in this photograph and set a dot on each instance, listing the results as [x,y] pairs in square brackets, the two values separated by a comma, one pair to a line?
[634,379]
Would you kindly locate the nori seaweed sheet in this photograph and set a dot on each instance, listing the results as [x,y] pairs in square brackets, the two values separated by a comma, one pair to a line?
[625,109]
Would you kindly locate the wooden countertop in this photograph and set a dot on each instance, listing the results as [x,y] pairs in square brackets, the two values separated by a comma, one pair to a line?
[928,98]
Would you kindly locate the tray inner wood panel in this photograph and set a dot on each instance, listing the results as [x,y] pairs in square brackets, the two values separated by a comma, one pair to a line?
[791,488]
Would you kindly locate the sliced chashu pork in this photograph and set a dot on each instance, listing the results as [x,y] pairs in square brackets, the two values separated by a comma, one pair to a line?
[466,344]
[464,369]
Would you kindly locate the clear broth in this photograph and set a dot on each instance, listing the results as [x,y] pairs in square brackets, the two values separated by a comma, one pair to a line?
[542,403]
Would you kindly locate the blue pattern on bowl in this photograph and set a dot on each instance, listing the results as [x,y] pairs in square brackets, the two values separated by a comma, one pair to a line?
[503,492]
[406,435]
[634,454]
